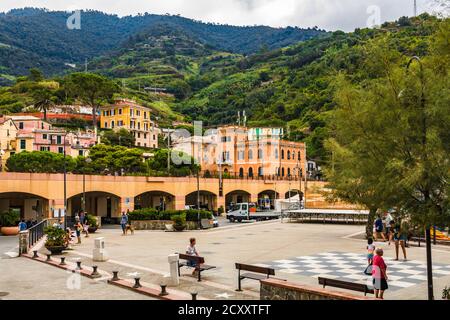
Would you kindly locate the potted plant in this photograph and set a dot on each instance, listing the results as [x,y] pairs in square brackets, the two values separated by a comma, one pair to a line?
[446,294]
[92,223]
[179,222]
[56,240]
[9,222]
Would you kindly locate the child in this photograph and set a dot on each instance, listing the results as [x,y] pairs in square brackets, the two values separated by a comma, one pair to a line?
[370,251]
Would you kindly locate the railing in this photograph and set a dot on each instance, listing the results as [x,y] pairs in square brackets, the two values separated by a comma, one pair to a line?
[36,232]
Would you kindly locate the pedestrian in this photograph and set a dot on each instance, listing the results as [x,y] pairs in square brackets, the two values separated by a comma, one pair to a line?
[400,238]
[124,223]
[78,229]
[22,225]
[68,237]
[379,274]
[191,250]
[379,229]
[82,217]
[387,224]
[370,251]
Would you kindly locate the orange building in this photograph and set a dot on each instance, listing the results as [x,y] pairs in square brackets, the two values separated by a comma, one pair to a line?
[245,152]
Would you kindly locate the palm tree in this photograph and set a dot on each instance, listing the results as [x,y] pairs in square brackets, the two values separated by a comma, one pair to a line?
[43,100]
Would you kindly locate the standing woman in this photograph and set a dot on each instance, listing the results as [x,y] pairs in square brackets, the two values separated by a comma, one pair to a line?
[400,238]
[379,274]
[124,223]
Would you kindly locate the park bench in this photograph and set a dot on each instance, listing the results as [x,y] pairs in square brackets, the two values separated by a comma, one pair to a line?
[346,285]
[198,261]
[256,273]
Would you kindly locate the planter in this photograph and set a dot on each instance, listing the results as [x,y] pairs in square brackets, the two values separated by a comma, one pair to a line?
[56,250]
[10,231]
[92,229]
[179,228]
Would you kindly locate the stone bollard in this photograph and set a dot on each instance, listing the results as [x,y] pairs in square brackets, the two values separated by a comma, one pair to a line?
[35,254]
[137,284]
[174,276]
[79,266]
[95,273]
[163,291]
[115,276]
[63,262]
[99,253]
[194,295]
[49,257]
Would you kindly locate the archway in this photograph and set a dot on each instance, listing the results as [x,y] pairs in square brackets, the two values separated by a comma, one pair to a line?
[97,203]
[155,199]
[208,200]
[266,199]
[237,196]
[29,206]
[250,172]
[293,193]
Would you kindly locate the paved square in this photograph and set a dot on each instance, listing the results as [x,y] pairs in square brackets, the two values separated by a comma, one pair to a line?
[351,266]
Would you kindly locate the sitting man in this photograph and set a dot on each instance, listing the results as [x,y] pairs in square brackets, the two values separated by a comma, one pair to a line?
[192,251]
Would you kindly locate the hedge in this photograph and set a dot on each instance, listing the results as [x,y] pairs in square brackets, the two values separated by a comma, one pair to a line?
[153,214]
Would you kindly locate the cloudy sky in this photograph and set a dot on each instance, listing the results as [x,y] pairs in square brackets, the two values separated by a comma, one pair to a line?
[327,14]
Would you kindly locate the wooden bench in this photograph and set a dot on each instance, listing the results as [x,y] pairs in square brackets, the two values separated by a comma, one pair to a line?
[257,273]
[199,263]
[346,285]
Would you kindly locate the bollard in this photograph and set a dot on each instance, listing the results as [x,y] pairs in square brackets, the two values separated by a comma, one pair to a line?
[79,265]
[35,254]
[63,262]
[163,291]
[95,273]
[194,295]
[49,258]
[137,285]
[115,276]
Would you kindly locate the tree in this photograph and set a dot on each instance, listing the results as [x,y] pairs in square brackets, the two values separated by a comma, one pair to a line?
[39,162]
[398,126]
[43,99]
[122,137]
[91,89]
[36,75]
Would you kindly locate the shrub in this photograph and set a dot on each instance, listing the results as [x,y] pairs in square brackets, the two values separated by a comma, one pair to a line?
[9,218]
[55,237]
[152,215]
[92,222]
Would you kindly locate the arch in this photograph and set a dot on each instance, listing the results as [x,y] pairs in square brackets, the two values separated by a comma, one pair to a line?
[250,172]
[282,154]
[260,172]
[241,172]
[98,203]
[159,200]
[236,196]
[289,155]
[266,199]
[289,172]
[282,172]
[208,200]
[29,206]
[293,193]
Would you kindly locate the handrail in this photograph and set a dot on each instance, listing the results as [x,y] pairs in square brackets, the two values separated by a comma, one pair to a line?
[36,232]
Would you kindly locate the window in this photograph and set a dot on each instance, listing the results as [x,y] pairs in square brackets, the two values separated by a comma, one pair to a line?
[139,135]
[241,155]
[58,140]
[131,112]
[145,136]
[138,144]
[154,137]
[282,172]
[106,124]
[44,136]
[241,172]
[289,155]
[154,146]
[120,111]
[226,139]
[145,115]
[112,124]
[139,126]
[45,148]
[250,154]
[276,154]
[260,154]
[289,172]
[260,171]
[138,113]
[282,154]
[80,153]
[23,144]
[250,172]
[145,145]
[60,149]
[20,125]
[299,155]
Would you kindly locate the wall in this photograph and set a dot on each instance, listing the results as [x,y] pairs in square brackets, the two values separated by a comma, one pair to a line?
[281,290]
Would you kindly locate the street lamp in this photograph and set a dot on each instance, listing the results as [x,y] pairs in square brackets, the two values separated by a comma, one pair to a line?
[88,161]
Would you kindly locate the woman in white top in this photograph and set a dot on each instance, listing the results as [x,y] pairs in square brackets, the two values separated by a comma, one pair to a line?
[192,251]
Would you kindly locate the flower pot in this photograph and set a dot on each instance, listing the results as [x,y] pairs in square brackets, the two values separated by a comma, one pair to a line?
[10,231]
[92,229]
[178,227]
[56,249]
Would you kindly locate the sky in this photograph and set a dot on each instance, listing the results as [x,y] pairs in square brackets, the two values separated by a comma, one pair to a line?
[343,15]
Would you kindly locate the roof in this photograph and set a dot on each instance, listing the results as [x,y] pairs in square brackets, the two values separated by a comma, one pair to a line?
[23,118]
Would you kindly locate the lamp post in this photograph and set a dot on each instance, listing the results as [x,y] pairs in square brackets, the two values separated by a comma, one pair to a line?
[424,141]
[88,161]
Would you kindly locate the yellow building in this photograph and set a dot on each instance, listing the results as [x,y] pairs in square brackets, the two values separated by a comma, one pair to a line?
[127,114]
[8,135]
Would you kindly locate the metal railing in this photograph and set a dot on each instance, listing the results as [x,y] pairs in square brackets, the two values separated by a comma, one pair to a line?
[36,232]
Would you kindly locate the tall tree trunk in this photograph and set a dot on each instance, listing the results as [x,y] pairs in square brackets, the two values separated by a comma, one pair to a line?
[94,117]
[370,222]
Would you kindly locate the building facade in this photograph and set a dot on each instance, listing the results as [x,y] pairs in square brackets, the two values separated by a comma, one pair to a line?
[127,114]
[245,152]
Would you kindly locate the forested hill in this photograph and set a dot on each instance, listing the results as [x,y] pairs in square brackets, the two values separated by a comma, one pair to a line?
[39,38]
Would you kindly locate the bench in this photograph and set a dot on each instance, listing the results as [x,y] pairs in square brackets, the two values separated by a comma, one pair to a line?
[346,285]
[198,261]
[256,273]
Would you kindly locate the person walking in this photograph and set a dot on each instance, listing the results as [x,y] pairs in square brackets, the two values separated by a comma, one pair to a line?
[78,229]
[400,238]
[23,225]
[370,251]
[379,229]
[379,274]
[387,225]
[124,223]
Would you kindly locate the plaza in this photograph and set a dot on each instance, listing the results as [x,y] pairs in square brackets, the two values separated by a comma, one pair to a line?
[299,253]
